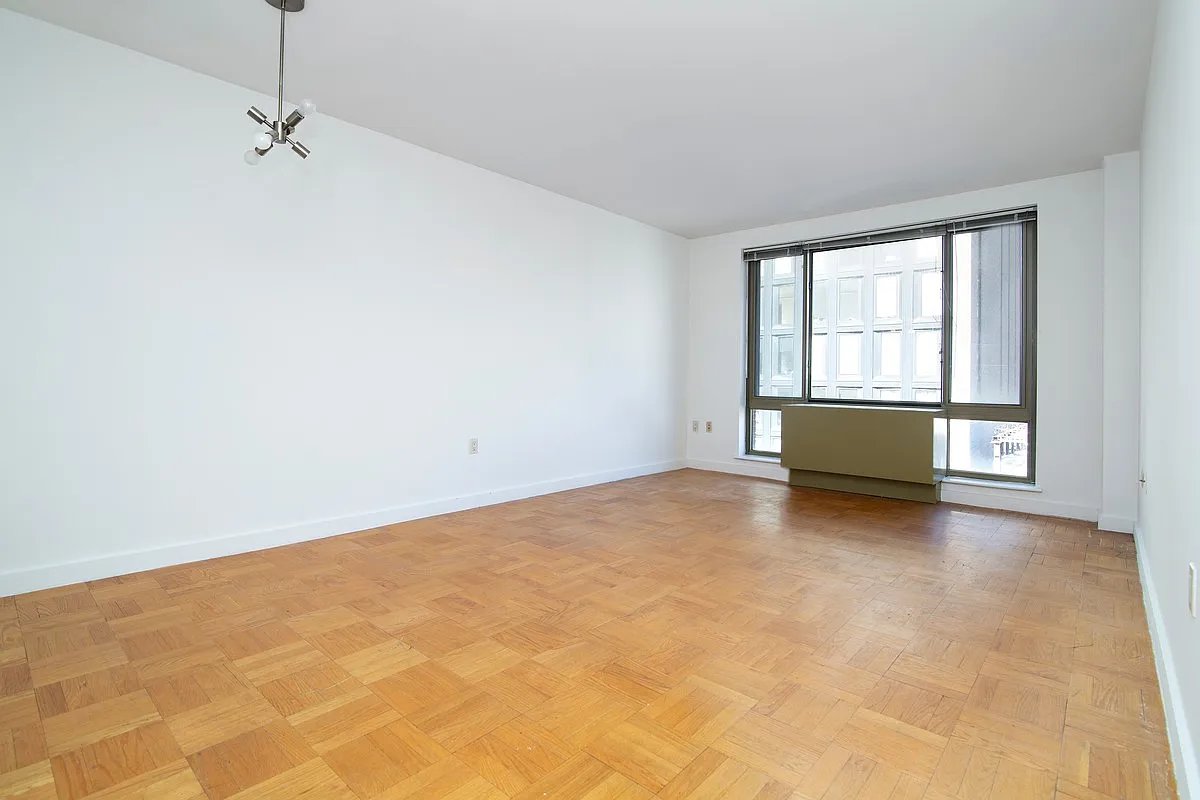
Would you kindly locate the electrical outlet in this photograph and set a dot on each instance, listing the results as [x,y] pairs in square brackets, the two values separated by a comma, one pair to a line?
[1192,588]
[695,426]
[472,447]
[708,426]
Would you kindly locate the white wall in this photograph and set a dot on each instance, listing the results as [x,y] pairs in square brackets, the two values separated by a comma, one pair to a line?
[1070,323]
[195,349]
[1168,520]
[1122,270]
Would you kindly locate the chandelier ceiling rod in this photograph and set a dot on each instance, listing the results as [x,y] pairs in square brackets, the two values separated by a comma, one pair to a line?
[282,39]
[282,128]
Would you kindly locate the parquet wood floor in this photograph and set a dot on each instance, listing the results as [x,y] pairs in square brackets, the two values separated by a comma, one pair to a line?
[683,636]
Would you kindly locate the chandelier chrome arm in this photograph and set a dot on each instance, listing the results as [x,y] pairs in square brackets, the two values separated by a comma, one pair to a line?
[280,130]
[272,130]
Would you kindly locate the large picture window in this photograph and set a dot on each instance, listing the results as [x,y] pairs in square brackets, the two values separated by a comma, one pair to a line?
[937,315]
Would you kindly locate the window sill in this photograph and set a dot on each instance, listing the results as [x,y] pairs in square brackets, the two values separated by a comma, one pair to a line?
[953,481]
[1008,485]
[758,459]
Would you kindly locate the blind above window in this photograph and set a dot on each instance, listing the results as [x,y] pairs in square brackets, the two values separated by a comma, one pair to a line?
[956,225]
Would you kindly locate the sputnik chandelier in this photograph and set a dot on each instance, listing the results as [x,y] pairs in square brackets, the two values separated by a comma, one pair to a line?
[280,131]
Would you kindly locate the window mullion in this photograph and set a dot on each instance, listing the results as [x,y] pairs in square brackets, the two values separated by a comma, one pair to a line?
[800,340]
[947,314]
[867,295]
[753,292]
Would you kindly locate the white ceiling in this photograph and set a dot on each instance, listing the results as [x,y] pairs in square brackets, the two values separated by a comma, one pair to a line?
[698,116]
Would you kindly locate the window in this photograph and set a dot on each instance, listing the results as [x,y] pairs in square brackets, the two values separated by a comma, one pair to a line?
[890,347]
[887,297]
[927,355]
[937,315]
[784,363]
[849,301]
[991,352]
[996,448]
[819,370]
[849,356]
[785,305]
[928,297]
[781,296]
[765,427]
[888,358]
[986,336]
[820,300]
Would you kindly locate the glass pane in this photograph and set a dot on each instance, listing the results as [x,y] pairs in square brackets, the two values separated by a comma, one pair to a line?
[766,436]
[997,448]
[939,443]
[849,355]
[849,301]
[887,297]
[927,395]
[888,394]
[783,356]
[887,355]
[988,316]
[849,393]
[879,307]
[780,290]
[818,357]
[820,391]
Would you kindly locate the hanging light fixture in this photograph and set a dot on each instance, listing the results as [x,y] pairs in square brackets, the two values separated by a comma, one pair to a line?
[280,131]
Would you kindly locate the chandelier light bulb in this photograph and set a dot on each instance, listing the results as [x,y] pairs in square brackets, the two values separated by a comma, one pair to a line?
[308,107]
[263,141]
[252,157]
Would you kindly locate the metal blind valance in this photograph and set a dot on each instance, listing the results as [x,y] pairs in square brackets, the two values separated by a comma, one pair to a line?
[991,220]
[779,251]
[920,231]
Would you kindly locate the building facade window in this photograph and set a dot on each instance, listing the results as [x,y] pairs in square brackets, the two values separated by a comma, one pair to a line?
[938,315]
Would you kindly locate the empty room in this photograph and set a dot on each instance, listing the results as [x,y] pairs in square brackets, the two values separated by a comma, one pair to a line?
[683,399]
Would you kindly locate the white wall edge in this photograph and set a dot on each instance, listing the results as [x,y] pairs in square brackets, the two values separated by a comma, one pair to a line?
[65,573]
[750,469]
[1183,750]
[1115,523]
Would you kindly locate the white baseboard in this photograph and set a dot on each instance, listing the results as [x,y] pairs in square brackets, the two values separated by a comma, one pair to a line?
[1018,500]
[747,467]
[1115,523]
[62,574]
[1183,747]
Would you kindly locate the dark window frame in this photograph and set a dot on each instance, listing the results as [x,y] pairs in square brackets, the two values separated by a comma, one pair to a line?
[1022,412]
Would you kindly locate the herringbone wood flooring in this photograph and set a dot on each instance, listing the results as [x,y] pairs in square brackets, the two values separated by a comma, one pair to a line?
[687,635]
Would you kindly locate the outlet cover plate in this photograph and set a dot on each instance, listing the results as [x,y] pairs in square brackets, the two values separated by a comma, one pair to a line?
[1192,588]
